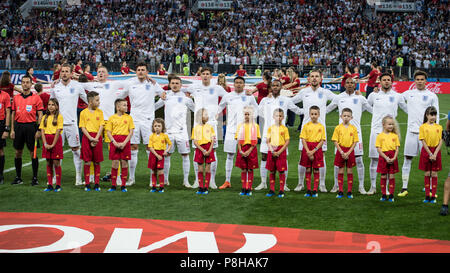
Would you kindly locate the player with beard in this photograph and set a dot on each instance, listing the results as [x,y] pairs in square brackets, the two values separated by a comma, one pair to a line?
[310,96]
[384,103]
[67,92]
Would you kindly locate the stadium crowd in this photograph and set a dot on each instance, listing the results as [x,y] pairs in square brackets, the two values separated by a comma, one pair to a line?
[254,32]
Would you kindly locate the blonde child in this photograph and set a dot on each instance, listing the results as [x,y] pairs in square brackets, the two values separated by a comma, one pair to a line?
[430,133]
[204,136]
[247,135]
[51,127]
[387,144]
[119,129]
[277,142]
[345,138]
[158,144]
[92,124]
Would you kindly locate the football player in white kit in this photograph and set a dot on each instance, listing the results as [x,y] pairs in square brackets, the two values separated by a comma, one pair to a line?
[67,92]
[206,95]
[142,92]
[357,103]
[175,114]
[265,110]
[235,103]
[313,95]
[417,101]
[108,91]
[384,102]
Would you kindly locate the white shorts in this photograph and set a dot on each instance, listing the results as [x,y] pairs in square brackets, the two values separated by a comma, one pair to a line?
[359,149]
[373,153]
[230,143]
[71,133]
[263,148]
[142,130]
[412,144]
[181,142]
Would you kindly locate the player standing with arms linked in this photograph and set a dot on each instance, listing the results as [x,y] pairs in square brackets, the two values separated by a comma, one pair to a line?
[67,92]
[417,101]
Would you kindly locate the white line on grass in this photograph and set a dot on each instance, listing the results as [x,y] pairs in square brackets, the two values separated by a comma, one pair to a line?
[29,163]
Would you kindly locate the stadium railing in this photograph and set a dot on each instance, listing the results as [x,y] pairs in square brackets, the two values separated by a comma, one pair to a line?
[332,71]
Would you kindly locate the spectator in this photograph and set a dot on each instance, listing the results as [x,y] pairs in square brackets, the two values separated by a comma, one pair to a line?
[6,84]
[241,72]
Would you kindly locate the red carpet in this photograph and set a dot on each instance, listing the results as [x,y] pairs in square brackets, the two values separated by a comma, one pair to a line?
[42,232]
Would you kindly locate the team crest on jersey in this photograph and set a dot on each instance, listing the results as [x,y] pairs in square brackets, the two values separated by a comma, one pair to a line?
[147,87]
[72,90]
[180,99]
[391,99]
[28,108]
[355,101]
[106,85]
[320,95]
[244,99]
[425,98]
[281,103]
[211,90]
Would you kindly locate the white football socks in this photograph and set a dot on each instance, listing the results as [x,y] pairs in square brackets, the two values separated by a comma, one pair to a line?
[301,175]
[263,172]
[186,167]
[229,167]
[323,173]
[133,164]
[166,168]
[213,171]
[336,172]
[77,162]
[406,169]
[360,170]
[373,172]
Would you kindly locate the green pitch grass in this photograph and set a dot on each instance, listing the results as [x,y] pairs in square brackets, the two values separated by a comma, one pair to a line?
[364,214]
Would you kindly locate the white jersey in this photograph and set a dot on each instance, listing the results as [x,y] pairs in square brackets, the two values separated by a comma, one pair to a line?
[175,112]
[383,104]
[206,97]
[320,97]
[67,96]
[235,103]
[142,98]
[356,103]
[268,105]
[417,102]
[108,92]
